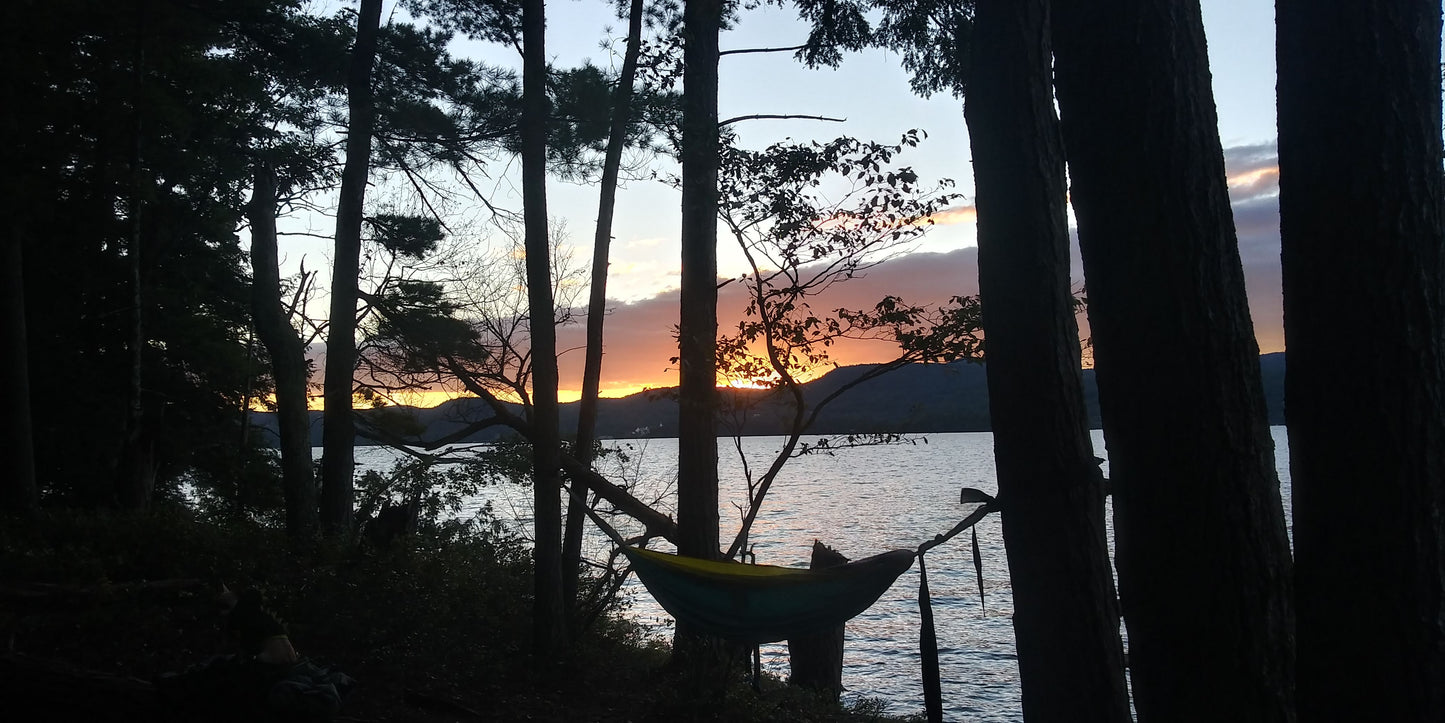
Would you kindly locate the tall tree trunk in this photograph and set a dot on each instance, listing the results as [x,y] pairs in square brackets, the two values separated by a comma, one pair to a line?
[1364,274]
[338,437]
[546,445]
[135,477]
[1203,561]
[1066,615]
[697,480]
[597,305]
[288,358]
[697,515]
[19,493]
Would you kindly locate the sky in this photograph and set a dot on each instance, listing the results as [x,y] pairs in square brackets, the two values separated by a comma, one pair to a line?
[870,90]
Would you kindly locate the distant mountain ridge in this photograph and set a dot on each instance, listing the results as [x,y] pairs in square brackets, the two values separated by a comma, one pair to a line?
[919,398]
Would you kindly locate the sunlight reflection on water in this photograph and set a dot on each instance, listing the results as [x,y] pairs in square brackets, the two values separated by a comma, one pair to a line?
[862,502]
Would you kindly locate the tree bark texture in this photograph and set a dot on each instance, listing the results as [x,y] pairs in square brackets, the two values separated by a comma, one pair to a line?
[1364,292]
[597,300]
[1201,551]
[338,436]
[136,474]
[546,446]
[288,358]
[1066,614]
[19,493]
[697,515]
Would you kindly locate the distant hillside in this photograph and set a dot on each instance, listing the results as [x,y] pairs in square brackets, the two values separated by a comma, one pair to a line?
[918,398]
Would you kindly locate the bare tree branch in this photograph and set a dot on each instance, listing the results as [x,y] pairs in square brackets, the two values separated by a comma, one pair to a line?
[779,116]
[410,177]
[322,236]
[762,50]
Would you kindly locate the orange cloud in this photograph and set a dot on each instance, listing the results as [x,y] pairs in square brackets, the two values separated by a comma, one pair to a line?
[955,215]
[640,341]
[946,217]
[1254,182]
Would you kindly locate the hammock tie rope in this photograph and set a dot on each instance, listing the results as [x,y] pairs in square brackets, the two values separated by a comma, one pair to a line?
[927,637]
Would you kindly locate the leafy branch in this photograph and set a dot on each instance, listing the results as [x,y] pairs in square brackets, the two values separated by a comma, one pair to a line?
[807,218]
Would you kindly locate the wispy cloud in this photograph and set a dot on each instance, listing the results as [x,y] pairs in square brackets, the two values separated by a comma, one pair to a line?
[946,217]
[955,215]
[1244,159]
[1253,175]
[1252,172]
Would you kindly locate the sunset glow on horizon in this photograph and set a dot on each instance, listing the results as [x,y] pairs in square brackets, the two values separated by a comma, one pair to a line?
[426,399]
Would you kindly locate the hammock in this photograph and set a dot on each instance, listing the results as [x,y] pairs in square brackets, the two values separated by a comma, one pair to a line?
[764,603]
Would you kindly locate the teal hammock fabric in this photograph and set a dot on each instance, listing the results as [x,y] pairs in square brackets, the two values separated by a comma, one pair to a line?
[764,603]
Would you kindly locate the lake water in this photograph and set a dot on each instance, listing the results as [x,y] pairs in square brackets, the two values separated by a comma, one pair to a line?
[861,502]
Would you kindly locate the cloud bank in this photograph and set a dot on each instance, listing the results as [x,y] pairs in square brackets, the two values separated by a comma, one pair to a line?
[640,335]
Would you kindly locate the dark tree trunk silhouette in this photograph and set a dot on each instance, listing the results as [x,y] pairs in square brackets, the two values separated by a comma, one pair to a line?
[339,433]
[18,493]
[816,660]
[1066,615]
[546,445]
[1364,273]
[135,473]
[1203,561]
[697,481]
[288,358]
[597,304]
[697,515]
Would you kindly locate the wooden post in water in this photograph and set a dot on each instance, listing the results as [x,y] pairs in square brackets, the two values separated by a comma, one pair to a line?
[817,659]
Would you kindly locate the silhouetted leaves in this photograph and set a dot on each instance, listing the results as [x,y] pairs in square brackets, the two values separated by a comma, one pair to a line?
[812,215]
[412,236]
[807,217]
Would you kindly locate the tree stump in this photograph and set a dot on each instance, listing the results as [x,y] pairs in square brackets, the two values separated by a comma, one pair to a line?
[817,659]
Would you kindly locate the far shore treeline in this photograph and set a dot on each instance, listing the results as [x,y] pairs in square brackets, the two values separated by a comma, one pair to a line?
[917,399]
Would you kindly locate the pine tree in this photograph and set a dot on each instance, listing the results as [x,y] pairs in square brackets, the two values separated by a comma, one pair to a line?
[1066,616]
[339,433]
[1364,256]
[1203,561]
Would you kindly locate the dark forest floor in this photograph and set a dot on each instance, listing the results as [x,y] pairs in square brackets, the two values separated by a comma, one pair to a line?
[94,607]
